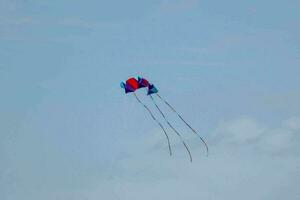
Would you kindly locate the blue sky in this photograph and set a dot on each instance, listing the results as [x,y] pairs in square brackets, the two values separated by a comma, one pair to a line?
[67,131]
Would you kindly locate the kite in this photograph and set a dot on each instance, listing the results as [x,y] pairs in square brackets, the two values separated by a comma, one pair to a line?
[132,84]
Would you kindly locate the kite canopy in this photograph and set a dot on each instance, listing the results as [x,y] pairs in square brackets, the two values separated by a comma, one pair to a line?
[152,89]
[143,82]
[131,85]
[122,85]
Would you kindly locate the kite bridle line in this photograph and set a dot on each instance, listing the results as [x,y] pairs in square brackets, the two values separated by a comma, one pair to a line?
[166,120]
[184,122]
[161,126]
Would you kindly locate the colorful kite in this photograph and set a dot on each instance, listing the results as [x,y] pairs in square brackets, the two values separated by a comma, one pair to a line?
[132,84]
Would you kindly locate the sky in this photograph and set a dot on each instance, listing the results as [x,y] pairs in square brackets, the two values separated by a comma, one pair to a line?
[68,131]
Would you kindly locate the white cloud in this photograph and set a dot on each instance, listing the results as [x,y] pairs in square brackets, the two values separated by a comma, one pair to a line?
[278,141]
[178,5]
[249,160]
[18,21]
[247,133]
[77,22]
[293,123]
[240,131]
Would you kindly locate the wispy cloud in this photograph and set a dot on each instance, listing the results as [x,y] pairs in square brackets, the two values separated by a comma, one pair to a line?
[245,163]
[293,123]
[17,21]
[178,5]
[77,22]
[245,157]
[247,133]
[29,20]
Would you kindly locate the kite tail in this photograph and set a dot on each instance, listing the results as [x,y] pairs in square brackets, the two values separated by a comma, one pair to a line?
[185,122]
[161,126]
[166,120]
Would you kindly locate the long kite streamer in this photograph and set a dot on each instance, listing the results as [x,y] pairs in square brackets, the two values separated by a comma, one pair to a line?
[166,120]
[184,122]
[161,126]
